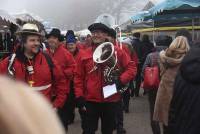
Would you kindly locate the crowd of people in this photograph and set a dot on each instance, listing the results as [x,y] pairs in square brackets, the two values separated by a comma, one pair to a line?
[63,71]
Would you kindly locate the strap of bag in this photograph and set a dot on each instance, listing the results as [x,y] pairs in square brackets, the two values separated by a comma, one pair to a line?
[154,59]
[50,64]
[10,64]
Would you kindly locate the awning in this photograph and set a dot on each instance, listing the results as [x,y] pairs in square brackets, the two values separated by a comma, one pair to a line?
[174,4]
[140,16]
[170,10]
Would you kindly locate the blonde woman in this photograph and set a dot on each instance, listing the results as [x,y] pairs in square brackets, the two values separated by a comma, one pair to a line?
[24,111]
[170,61]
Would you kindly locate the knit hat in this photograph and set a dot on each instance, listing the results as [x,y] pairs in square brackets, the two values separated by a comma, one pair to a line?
[70,37]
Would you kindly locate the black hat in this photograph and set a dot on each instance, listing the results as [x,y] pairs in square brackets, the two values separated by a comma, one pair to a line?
[113,33]
[185,33]
[163,40]
[99,26]
[56,33]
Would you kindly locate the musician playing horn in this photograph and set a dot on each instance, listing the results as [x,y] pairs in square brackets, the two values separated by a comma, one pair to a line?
[96,94]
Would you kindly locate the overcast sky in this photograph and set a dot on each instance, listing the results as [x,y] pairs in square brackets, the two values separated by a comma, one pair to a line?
[62,13]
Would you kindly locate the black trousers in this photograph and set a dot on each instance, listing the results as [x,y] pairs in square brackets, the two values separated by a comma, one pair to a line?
[82,116]
[105,111]
[154,124]
[71,105]
[138,80]
[63,116]
[166,130]
[120,117]
[132,88]
[126,99]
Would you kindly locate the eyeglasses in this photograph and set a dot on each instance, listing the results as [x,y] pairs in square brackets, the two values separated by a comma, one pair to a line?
[97,32]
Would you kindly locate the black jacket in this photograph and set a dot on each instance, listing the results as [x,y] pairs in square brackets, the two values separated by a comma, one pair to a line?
[184,116]
[137,45]
[147,48]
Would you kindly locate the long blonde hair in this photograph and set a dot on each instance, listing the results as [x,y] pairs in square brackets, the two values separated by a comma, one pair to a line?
[23,111]
[176,51]
[178,47]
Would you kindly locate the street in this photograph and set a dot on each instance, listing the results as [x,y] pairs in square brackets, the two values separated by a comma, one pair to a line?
[136,122]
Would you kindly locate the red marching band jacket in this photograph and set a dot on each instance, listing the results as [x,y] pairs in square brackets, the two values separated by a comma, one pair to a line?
[78,55]
[89,84]
[67,63]
[133,55]
[42,77]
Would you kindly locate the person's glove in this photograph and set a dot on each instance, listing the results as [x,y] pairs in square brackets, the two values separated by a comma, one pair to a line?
[121,88]
[115,76]
[118,83]
[81,103]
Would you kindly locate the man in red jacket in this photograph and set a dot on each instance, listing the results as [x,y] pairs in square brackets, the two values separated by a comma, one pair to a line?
[29,65]
[73,48]
[66,62]
[90,83]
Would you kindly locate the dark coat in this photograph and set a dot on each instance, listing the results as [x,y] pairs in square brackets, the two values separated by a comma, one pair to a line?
[147,48]
[137,45]
[184,116]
